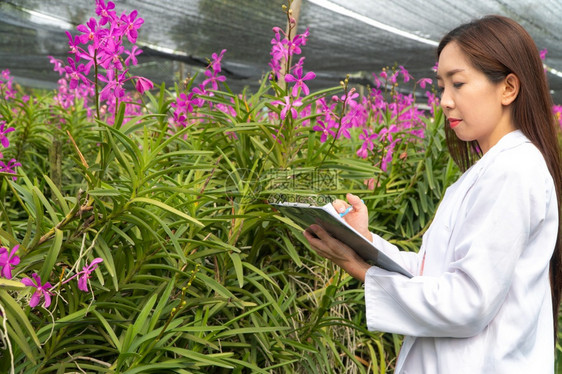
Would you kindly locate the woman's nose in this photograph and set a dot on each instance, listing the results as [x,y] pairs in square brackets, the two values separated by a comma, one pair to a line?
[446,100]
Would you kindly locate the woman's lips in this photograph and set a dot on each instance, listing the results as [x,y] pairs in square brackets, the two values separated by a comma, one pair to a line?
[454,122]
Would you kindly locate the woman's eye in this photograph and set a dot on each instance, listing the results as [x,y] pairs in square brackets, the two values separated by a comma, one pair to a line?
[457,85]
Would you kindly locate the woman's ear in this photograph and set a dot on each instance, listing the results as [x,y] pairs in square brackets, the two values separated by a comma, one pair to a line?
[511,89]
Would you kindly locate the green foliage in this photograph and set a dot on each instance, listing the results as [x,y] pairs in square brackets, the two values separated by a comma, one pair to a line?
[199,274]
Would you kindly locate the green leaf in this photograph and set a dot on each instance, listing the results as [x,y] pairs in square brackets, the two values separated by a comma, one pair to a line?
[52,255]
[103,251]
[164,299]
[62,202]
[143,315]
[158,367]
[77,316]
[104,192]
[167,208]
[114,340]
[10,284]
[202,359]
[47,205]
[237,262]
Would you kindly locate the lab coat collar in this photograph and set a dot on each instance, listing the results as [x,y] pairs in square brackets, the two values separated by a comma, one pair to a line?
[509,140]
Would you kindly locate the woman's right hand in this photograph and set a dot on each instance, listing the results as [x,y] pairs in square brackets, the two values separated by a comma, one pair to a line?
[358,217]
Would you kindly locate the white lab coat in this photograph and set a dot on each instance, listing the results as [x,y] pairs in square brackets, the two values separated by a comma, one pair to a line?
[483,303]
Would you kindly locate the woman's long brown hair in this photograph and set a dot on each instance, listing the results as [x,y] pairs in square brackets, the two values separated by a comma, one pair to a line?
[499,46]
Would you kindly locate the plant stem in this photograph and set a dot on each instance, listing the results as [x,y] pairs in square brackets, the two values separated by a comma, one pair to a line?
[96,84]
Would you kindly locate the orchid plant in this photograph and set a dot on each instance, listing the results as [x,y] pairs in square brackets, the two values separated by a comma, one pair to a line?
[101,48]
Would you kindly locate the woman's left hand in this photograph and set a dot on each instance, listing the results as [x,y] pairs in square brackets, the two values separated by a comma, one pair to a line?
[337,252]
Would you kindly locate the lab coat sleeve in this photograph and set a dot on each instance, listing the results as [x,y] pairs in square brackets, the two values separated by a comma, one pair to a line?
[497,217]
[408,260]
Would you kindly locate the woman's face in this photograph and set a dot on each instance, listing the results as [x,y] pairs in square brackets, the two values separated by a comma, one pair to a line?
[471,102]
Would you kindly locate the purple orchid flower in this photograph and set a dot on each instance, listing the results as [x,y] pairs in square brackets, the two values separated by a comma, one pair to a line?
[88,57]
[10,167]
[75,73]
[58,65]
[132,55]
[213,78]
[111,54]
[184,103]
[42,290]
[216,62]
[105,11]
[405,73]
[73,43]
[143,84]
[200,94]
[84,275]
[368,137]
[325,128]
[89,32]
[288,106]
[299,79]
[131,25]
[3,131]
[114,87]
[8,259]
[424,81]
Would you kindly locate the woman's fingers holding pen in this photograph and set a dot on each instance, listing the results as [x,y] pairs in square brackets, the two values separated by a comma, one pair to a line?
[340,205]
[356,202]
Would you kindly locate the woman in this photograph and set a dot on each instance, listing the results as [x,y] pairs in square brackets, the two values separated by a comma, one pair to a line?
[488,276]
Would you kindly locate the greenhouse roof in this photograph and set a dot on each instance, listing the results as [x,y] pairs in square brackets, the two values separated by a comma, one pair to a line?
[346,36]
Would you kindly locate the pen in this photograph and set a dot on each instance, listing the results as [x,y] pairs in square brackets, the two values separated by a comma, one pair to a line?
[349,209]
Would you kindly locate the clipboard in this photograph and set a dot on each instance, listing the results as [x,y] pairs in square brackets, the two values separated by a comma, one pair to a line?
[330,220]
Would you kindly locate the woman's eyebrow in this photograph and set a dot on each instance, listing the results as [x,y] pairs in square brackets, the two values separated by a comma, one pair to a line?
[450,73]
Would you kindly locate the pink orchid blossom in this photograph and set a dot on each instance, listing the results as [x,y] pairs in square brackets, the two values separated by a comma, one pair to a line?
[114,88]
[89,32]
[42,290]
[434,68]
[216,62]
[405,74]
[299,79]
[325,129]
[73,44]
[8,259]
[424,81]
[132,55]
[143,84]
[368,137]
[110,55]
[213,78]
[58,65]
[288,106]
[3,131]
[130,25]
[10,167]
[84,275]
[105,11]
[75,73]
